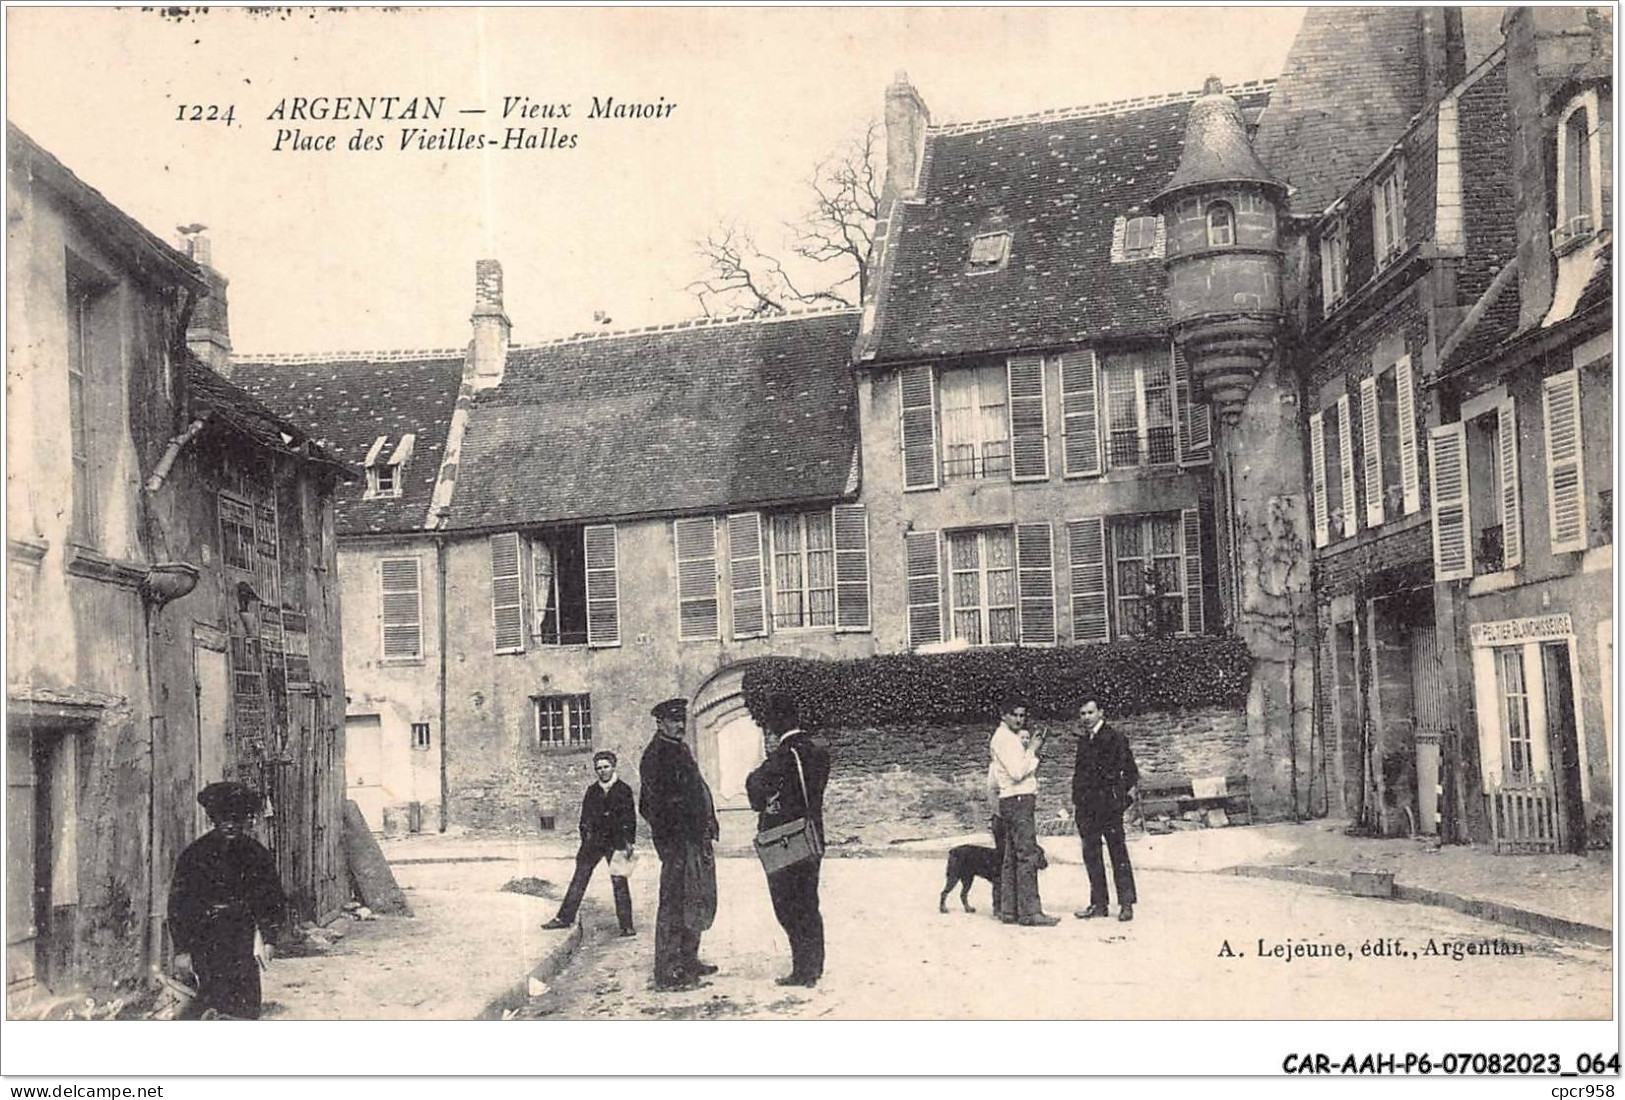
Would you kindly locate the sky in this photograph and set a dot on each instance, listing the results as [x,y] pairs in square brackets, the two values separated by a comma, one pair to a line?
[375,249]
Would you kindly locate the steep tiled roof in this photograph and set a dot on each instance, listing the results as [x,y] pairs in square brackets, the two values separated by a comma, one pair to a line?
[211,396]
[1058,183]
[348,402]
[684,418]
[1351,82]
[1217,150]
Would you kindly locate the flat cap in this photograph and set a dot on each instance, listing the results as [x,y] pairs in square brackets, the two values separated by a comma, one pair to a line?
[229,801]
[676,709]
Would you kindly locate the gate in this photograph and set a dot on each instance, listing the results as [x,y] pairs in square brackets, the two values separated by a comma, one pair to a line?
[1523,819]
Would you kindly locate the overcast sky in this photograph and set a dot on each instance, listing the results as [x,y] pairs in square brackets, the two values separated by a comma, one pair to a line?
[360,250]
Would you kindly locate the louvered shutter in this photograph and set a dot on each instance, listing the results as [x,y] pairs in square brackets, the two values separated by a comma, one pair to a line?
[1191,536]
[1371,445]
[1345,446]
[1195,435]
[1035,577]
[1029,440]
[917,391]
[745,575]
[1565,462]
[402,607]
[1086,551]
[1317,468]
[924,588]
[1080,411]
[696,578]
[1447,467]
[507,594]
[851,528]
[1511,493]
[1410,473]
[601,549]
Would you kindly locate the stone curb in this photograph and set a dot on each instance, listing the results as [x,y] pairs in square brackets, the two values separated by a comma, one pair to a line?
[1526,919]
[555,960]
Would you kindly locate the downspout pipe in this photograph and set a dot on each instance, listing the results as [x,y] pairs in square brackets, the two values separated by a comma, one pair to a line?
[171,453]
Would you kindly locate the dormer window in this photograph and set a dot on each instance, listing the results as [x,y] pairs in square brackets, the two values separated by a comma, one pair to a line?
[989,251]
[1577,173]
[1388,213]
[1137,238]
[1221,225]
[1333,264]
[384,476]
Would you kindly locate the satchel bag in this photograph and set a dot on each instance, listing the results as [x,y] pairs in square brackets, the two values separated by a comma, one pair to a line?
[794,842]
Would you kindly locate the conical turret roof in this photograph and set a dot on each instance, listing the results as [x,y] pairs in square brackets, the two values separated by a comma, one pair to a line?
[1216,147]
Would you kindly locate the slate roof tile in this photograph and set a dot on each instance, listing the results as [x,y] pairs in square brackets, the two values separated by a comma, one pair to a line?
[209,394]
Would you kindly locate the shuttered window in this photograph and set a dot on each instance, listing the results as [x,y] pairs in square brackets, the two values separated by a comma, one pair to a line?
[402,608]
[1317,469]
[1035,578]
[1506,458]
[745,581]
[1139,409]
[1371,445]
[924,588]
[1080,410]
[1195,438]
[696,541]
[507,594]
[1086,552]
[1410,474]
[851,567]
[982,586]
[1190,524]
[917,394]
[803,570]
[1345,462]
[601,549]
[975,423]
[1029,430]
[1565,462]
[1447,466]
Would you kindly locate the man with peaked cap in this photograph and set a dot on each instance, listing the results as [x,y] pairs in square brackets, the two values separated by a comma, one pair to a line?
[676,802]
[225,889]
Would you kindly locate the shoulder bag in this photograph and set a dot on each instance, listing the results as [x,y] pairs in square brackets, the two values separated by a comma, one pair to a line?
[794,842]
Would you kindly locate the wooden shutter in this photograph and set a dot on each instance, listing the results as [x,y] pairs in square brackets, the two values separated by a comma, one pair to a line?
[1317,468]
[850,523]
[1191,537]
[507,594]
[924,588]
[745,575]
[1029,437]
[1511,493]
[1086,551]
[1410,473]
[1447,467]
[1080,412]
[1195,436]
[696,578]
[1345,446]
[1565,462]
[1035,578]
[402,607]
[601,550]
[1371,445]
[917,393]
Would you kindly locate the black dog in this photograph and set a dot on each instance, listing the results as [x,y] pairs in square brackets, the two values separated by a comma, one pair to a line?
[967,863]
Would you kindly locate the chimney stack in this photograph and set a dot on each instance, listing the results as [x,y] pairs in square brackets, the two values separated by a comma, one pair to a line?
[488,351]
[906,120]
[208,333]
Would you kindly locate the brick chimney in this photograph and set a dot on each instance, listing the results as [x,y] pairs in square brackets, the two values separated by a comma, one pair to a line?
[488,351]
[208,335]
[906,120]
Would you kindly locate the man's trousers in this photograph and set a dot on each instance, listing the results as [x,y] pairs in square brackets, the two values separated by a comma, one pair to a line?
[794,891]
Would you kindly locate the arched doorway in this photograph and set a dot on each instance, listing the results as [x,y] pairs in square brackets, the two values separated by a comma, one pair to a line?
[728,745]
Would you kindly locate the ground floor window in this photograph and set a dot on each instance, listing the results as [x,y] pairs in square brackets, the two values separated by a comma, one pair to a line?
[420,735]
[1516,747]
[1148,575]
[562,720]
[982,585]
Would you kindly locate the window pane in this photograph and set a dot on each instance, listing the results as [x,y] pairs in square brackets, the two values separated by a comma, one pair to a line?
[967,590]
[962,549]
[1127,540]
[968,625]
[1001,589]
[1001,626]
[1164,534]
[1001,551]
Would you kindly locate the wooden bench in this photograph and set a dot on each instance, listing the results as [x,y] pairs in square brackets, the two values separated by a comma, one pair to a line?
[1173,796]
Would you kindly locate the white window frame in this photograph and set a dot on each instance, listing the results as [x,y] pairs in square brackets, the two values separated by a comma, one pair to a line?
[977,420]
[85,517]
[1141,413]
[1229,225]
[1147,245]
[570,707]
[1578,225]
[1334,264]
[804,558]
[1115,599]
[984,607]
[426,741]
[1388,213]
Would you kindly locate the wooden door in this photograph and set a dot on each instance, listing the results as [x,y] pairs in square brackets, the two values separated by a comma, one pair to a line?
[20,928]
[1562,737]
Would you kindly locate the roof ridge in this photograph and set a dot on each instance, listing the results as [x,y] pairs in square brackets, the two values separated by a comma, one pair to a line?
[1093,110]
[303,358]
[688,325]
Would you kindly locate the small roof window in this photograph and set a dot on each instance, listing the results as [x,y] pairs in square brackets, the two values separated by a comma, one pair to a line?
[989,251]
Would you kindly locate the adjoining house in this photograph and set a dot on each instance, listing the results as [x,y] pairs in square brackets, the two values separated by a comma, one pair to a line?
[172,613]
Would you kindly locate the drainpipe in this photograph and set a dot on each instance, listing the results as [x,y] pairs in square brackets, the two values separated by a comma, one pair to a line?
[171,453]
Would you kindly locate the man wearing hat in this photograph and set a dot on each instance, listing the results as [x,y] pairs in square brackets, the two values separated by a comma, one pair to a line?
[609,825]
[224,890]
[676,802]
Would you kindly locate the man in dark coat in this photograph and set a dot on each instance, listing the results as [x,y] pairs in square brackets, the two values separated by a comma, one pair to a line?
[787,786]
[1103,781]
[676,802]
[225,888]
[609,826]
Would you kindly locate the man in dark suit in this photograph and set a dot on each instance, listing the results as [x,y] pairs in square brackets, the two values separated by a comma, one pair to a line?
[1103,781]
[676,802]
[609,826]
[788,786]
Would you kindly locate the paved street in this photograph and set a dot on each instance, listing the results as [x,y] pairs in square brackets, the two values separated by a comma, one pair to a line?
[893,956]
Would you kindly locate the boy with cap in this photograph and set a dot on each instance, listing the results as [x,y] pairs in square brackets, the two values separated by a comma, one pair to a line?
[224,890]
[676,802]
[609,825]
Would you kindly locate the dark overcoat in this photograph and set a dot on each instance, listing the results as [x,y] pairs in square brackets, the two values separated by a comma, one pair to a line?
[1103,774]
[222,890]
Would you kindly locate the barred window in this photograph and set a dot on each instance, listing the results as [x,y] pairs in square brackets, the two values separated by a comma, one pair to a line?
[562,720]
[975,422]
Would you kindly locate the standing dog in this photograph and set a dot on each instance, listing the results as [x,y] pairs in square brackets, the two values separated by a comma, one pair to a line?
[967,863]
